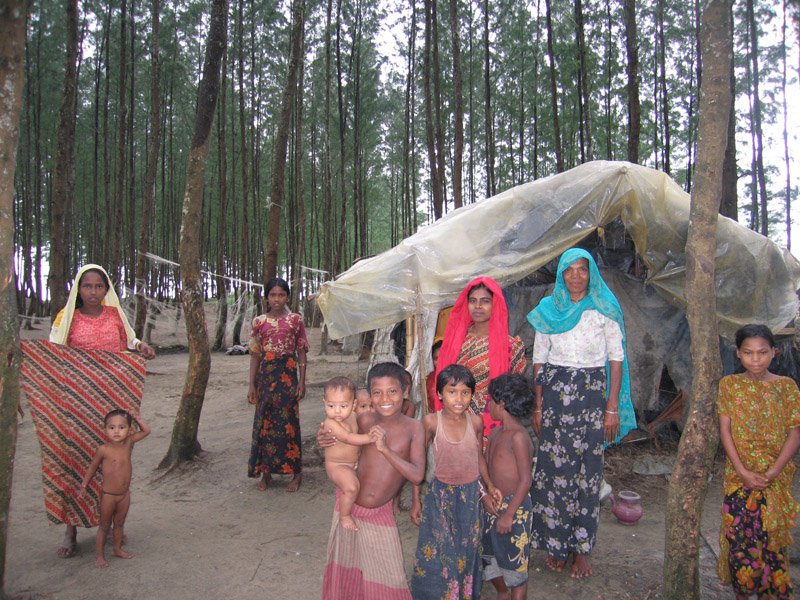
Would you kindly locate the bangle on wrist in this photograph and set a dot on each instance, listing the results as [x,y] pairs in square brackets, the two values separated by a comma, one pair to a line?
[611,412]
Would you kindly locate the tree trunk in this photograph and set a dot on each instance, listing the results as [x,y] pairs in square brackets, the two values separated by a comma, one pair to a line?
[730,175]
[786,161]
[430,144]
[148,201]
[64,175]
[437,105]
[554,90]
[632,67]
[338,257]
[13,18]
[244,264]
[758,147]
[117,201]
[184,445]
[663,95]
[327,170]
[687,488]
[458,106]
[491,184]
[298,225]
[222,244]
[281,140]
[584,104]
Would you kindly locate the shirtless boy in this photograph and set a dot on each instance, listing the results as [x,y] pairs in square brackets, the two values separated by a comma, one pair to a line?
[369,563]
[341,459]
[114,459]
[509,453]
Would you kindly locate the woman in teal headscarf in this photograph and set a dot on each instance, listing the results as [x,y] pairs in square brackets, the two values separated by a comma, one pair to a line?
[582,400]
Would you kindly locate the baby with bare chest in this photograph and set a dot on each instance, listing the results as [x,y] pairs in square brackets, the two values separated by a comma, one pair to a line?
[341,459]
[114,460]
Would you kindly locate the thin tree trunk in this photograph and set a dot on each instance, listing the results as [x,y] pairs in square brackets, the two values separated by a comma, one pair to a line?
[281,139]
[491,183]
[662,87]
[222,243]
[584,106]
[184,445]
[632,68]
[757,122]
[244,265]
[554,90]
[437,104]
[338,259]
[64,175]
[730,176]
[458,107]
[430,142]
[122,123]
[786,161]
[150,177]
[129,223]
[299,226]
[694,87]
[407,202]
[687,487]
[13,19]
[327,172]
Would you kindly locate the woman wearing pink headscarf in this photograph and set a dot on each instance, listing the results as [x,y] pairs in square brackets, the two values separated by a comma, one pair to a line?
[477,337]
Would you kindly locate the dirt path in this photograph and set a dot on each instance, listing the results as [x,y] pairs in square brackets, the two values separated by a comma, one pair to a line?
[204,531]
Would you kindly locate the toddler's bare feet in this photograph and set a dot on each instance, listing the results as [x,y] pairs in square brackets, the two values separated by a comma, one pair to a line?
[100,562]
[294,484]
[348,523]
[122,553]
[264,481]
[581,567]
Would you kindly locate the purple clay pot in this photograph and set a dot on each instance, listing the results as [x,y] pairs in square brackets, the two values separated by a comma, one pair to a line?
[627,507]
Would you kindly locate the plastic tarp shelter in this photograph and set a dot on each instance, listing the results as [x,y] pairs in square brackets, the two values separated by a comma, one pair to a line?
[515,233]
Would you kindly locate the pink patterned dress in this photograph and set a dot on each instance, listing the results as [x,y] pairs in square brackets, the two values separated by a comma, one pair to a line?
[103,332]
[275,446]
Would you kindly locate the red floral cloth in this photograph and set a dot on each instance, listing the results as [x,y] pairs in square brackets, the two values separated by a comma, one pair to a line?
[280,336]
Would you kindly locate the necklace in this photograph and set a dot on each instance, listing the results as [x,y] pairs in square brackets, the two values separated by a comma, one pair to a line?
[273,320]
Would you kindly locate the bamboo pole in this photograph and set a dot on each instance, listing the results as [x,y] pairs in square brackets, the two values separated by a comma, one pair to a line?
[421,353]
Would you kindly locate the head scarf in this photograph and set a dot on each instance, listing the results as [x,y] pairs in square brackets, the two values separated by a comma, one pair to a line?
[460,321]
[60,330]
[558,314]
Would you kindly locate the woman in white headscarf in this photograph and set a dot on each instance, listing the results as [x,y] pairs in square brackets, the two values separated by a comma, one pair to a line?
[93,319]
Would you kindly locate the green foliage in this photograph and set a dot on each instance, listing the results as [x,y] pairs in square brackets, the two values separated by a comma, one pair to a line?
[358,163]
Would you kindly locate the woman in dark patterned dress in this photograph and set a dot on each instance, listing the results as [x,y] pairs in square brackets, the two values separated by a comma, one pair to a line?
[582,400]
[278,346]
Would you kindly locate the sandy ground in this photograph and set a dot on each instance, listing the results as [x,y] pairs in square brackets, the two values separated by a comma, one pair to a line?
[204,531]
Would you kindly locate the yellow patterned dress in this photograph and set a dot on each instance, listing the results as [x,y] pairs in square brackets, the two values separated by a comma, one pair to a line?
[756,525]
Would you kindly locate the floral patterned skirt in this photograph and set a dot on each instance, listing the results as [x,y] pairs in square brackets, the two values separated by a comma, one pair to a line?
[276,426]
[569,463]
[447,563]
[753,567]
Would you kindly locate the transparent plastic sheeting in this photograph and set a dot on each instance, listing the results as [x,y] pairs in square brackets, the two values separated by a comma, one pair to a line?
[518,231]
